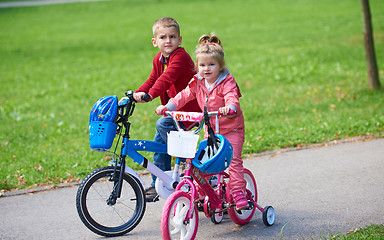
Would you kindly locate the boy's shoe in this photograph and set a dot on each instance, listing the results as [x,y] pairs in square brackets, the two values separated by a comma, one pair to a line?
[240,200]
[151,190]
[151,194]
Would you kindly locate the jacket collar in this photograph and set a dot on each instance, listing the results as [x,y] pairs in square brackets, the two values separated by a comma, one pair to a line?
[163,59]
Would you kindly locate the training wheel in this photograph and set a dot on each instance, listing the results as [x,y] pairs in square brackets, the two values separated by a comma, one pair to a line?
[217,217]
[268,216]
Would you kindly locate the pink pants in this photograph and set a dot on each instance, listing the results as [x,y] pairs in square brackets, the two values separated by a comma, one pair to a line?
[235,169]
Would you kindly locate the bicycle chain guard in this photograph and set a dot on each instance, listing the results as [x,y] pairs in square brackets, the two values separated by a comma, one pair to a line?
[162,189]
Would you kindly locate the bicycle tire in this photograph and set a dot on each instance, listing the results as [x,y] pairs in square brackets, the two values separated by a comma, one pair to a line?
[172,219]
[243,217]
[269,216]
[110,220]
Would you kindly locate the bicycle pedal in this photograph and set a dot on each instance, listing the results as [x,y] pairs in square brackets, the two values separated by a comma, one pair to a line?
[152,198]
[251,205]
[156,198]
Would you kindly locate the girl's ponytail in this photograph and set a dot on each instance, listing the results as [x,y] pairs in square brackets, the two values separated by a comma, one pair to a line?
[206,39]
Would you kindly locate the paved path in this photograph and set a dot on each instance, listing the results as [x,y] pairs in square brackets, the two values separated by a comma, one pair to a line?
[333,188]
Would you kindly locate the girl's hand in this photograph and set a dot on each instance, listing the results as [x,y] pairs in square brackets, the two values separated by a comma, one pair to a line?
[160,109]
[224,110]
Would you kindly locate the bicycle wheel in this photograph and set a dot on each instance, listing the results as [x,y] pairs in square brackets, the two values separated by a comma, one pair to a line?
[217,217]
[116,218]
[269,216]
[172,219]
[243,216]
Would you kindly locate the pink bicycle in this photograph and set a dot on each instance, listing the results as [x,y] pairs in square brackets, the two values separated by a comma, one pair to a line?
[180,217]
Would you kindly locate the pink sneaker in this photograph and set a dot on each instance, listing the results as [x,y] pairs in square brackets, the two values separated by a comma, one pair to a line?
[240,200]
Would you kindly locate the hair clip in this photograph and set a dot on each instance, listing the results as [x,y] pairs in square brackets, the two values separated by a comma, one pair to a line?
[209,44]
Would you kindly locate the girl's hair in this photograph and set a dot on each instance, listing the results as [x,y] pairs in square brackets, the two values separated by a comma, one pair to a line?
[165,22]
[210,45]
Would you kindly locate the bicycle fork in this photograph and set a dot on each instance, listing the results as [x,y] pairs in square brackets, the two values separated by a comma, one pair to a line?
[117,178]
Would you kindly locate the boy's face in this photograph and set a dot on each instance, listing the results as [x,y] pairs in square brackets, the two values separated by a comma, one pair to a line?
[167,40]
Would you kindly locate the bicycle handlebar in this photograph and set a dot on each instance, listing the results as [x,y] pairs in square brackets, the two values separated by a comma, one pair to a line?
[197,117]
[127,106]
[218,113]
[146,97]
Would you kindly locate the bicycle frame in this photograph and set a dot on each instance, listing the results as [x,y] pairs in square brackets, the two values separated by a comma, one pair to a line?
[201,178]
[131,148]
[192,173]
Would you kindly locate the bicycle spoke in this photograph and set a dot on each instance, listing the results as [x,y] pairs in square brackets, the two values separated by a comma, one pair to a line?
[174,231]
[126,205]
[128,198]
[121,218]
[95,189]
[183,232]
[177,222]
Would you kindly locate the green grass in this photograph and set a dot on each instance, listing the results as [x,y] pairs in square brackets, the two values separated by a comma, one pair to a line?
[300,66]
[371,232]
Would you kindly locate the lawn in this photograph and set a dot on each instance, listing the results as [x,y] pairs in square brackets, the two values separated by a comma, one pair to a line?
[300,66]
[371,232]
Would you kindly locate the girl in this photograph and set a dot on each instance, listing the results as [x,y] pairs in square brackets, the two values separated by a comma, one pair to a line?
[215,88]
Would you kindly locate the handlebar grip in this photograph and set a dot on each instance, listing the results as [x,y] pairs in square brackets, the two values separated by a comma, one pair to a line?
[163,112]
[146,97]
[230,113]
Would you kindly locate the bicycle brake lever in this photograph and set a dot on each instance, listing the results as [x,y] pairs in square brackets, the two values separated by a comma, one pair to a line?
[124,102]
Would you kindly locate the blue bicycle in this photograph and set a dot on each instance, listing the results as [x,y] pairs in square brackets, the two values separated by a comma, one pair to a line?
[111,200]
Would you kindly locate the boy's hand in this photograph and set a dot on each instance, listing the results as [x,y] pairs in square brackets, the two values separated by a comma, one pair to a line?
[138,97]
[160,109]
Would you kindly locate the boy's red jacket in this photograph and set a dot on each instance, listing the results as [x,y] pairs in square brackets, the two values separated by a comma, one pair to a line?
[166,84]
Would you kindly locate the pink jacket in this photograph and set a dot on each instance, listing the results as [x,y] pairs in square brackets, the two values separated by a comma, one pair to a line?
[225,93]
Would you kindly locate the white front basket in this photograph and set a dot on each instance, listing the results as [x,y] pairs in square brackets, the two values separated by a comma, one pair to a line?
[182,144]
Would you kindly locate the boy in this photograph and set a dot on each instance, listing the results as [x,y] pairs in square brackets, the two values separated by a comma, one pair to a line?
[172,69]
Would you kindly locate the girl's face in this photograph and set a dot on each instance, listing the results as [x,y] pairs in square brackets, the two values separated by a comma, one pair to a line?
[167,40]
[209,68]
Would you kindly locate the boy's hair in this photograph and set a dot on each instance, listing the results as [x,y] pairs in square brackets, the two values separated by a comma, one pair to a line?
[211,45]
[165,22]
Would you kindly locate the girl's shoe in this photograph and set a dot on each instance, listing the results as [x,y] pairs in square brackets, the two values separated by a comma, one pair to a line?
[240,200]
